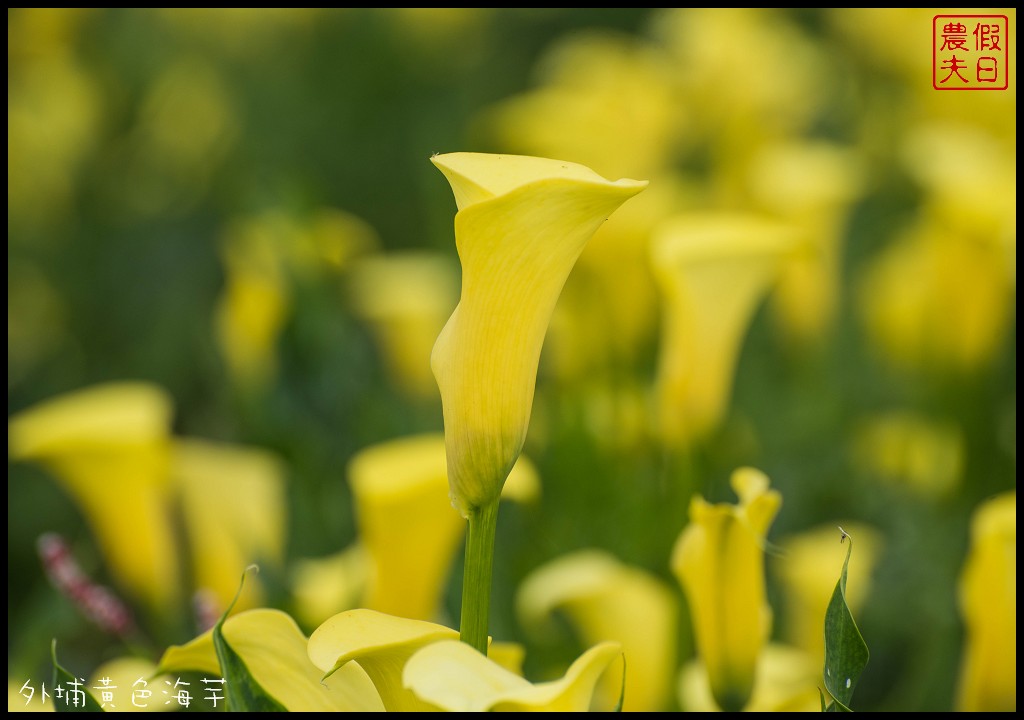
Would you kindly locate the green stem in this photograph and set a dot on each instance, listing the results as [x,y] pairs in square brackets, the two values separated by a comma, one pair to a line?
[476,578]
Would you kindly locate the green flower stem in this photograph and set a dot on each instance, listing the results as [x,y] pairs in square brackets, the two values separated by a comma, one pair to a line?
[476,578]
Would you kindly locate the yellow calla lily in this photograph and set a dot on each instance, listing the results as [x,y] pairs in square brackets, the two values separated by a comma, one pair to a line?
[522,222]
[108,446]
[274,651]
[324,586]
[910,449]
[607,600]
[719,560]
[988,602]
[381,645]
[453,676]
[407,524]
[787,681]
[226,535]
[406,298]
[807,567]
[713,271]
[812,185]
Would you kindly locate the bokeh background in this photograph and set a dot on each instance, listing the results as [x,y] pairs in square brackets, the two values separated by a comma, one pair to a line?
[238,207]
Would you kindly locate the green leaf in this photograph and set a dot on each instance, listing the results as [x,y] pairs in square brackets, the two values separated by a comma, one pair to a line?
[71,684]
[846,653]
[242,691]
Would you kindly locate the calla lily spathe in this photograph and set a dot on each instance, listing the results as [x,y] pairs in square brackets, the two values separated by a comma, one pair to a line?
[988,603]
[713,271]
[109,447]
[379,644]
[454,677]
[407,524]
[521,225]
[408,534]
[719,559]
[606,600]
[273,649]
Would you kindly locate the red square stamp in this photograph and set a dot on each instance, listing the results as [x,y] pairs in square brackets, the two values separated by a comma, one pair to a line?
[970,52]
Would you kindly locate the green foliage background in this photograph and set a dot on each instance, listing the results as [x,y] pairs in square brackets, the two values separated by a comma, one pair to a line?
[344,110]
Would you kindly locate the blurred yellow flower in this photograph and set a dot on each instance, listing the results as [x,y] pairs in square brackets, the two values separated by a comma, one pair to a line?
[607,600]
[109,447]
[454,677]
[263,257]
[408,533]
[937,299]
[811,184]
[232,501]
[713,270]
[380,645]
[274,652]
[522,222]
[988,602]
[605,100]
[808,568]
[719,560]
[787,681]
[909,449]
[406,298]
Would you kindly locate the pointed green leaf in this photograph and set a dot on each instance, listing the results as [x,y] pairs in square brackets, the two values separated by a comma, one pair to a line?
[72,686]
[243,693]
[846,653]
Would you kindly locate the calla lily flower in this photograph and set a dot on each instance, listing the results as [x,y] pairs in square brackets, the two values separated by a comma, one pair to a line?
[787,681]
[988,602]
[807,566]
[407,524]
[273,649]
[109,447]
[379,644]
[719,560]
[812,185]
[406,298]
[607,600]
[408,534]
[912,450]
[522,222]
[713,271]
[453,676]
[227,535]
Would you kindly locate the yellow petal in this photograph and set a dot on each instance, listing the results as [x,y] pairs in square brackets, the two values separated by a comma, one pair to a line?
[233,505]
[379,644]
[809,566]
[108,447]
[274,650]
[787,681]
[453,676]
[522,223]
[606,600]
[713,271]
[719,560]
[988,602]
[407,523]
